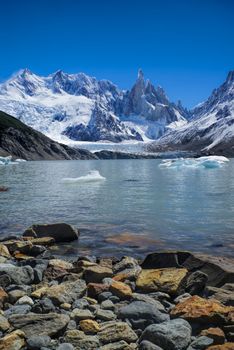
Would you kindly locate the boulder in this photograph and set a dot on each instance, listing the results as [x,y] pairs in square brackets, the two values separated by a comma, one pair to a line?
[51,324]
[202,310]
[164,280]
[13,341]
[16,274]
[115,331]
[170,335]
[61,232]
[141,314]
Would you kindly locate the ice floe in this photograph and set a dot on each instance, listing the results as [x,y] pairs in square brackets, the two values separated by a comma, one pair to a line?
[8,160]
[92,176]
[209,162]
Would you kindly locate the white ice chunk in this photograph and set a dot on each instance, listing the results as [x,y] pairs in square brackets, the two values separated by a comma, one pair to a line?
[209,162]
[92,176]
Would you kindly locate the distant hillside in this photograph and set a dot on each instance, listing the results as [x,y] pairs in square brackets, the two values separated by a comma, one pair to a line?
[21,141]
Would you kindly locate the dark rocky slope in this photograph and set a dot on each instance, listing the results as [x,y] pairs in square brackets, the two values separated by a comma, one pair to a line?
[21,141]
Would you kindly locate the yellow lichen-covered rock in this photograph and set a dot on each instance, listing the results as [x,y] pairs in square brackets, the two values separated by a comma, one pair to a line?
[120,289]
[89,326]
[38,293]
[199,309]
[163,280]
[13,341]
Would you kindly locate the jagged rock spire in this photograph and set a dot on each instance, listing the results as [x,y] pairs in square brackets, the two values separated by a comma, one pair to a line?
[140,74]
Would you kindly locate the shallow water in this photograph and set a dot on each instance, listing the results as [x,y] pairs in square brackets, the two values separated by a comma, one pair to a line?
[140,207]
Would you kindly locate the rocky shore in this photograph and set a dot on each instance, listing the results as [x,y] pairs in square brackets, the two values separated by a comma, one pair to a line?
[166,301]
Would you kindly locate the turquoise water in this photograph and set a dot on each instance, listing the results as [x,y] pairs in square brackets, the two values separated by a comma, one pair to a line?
[140,207]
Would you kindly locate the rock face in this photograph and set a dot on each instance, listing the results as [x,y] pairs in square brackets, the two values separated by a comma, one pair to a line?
[141,314]
[61,232]
[21,141]
[47,324]
[202,310]
[171,335]
[166,280]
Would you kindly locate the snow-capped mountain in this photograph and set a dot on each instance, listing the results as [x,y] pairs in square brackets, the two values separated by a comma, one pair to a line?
[211,125]
[78,107]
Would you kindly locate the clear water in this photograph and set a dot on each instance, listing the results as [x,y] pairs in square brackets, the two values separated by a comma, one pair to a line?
[140,207]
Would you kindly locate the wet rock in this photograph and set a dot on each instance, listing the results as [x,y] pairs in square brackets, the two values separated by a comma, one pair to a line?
[97,273]
[202,310]
[89,326]
[165,280]
[16,274]
[120,289]
[61,232]
[13,341]
[81,341]
[66,292]
[141,314]
[201,343]
[105,315]
[194,283]
[51,324]
[94,289]
[116,331]
[170,335]
[4,324]
[37,342]
[216,334]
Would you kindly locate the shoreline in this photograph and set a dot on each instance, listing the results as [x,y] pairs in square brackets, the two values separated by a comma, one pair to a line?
[169,300]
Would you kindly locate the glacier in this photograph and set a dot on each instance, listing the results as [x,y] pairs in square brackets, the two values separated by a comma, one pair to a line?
[76,107]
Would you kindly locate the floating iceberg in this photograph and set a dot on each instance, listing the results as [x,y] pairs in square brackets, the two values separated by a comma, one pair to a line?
[209,162]
[92,176]
[8,160]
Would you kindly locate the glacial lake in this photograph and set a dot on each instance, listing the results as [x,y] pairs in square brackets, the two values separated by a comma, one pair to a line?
[139,207]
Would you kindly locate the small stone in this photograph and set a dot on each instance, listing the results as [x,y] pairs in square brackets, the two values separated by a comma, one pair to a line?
[121,290]
[36,342]
[65,306]
[4,324]
[80,314]
[16,294]
[115,331]
[104,296]
[105,315]
[108,305]
[95,289]
[4,251]
[216,334]
[25,300]
[201,343]
[89,326]
[13,341]
[95,274]
[66,346]
[164,280]
[80,304]
[91,301]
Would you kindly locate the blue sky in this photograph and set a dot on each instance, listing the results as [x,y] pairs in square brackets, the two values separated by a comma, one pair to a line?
[186,46]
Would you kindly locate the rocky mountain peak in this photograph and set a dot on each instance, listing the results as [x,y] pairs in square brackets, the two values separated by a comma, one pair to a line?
[230,77]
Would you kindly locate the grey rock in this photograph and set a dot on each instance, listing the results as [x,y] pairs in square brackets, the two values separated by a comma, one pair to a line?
[80,304]
[108,305]
[114,299]
[146,345]
[148,299]
[170,335]
[65,346]
[141,314]
[43,306]
[104,296]
[105,315]
[36,342]
[50,324]
[194,283]
[201,343]
[16,274]
[17,309]
[81,314]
